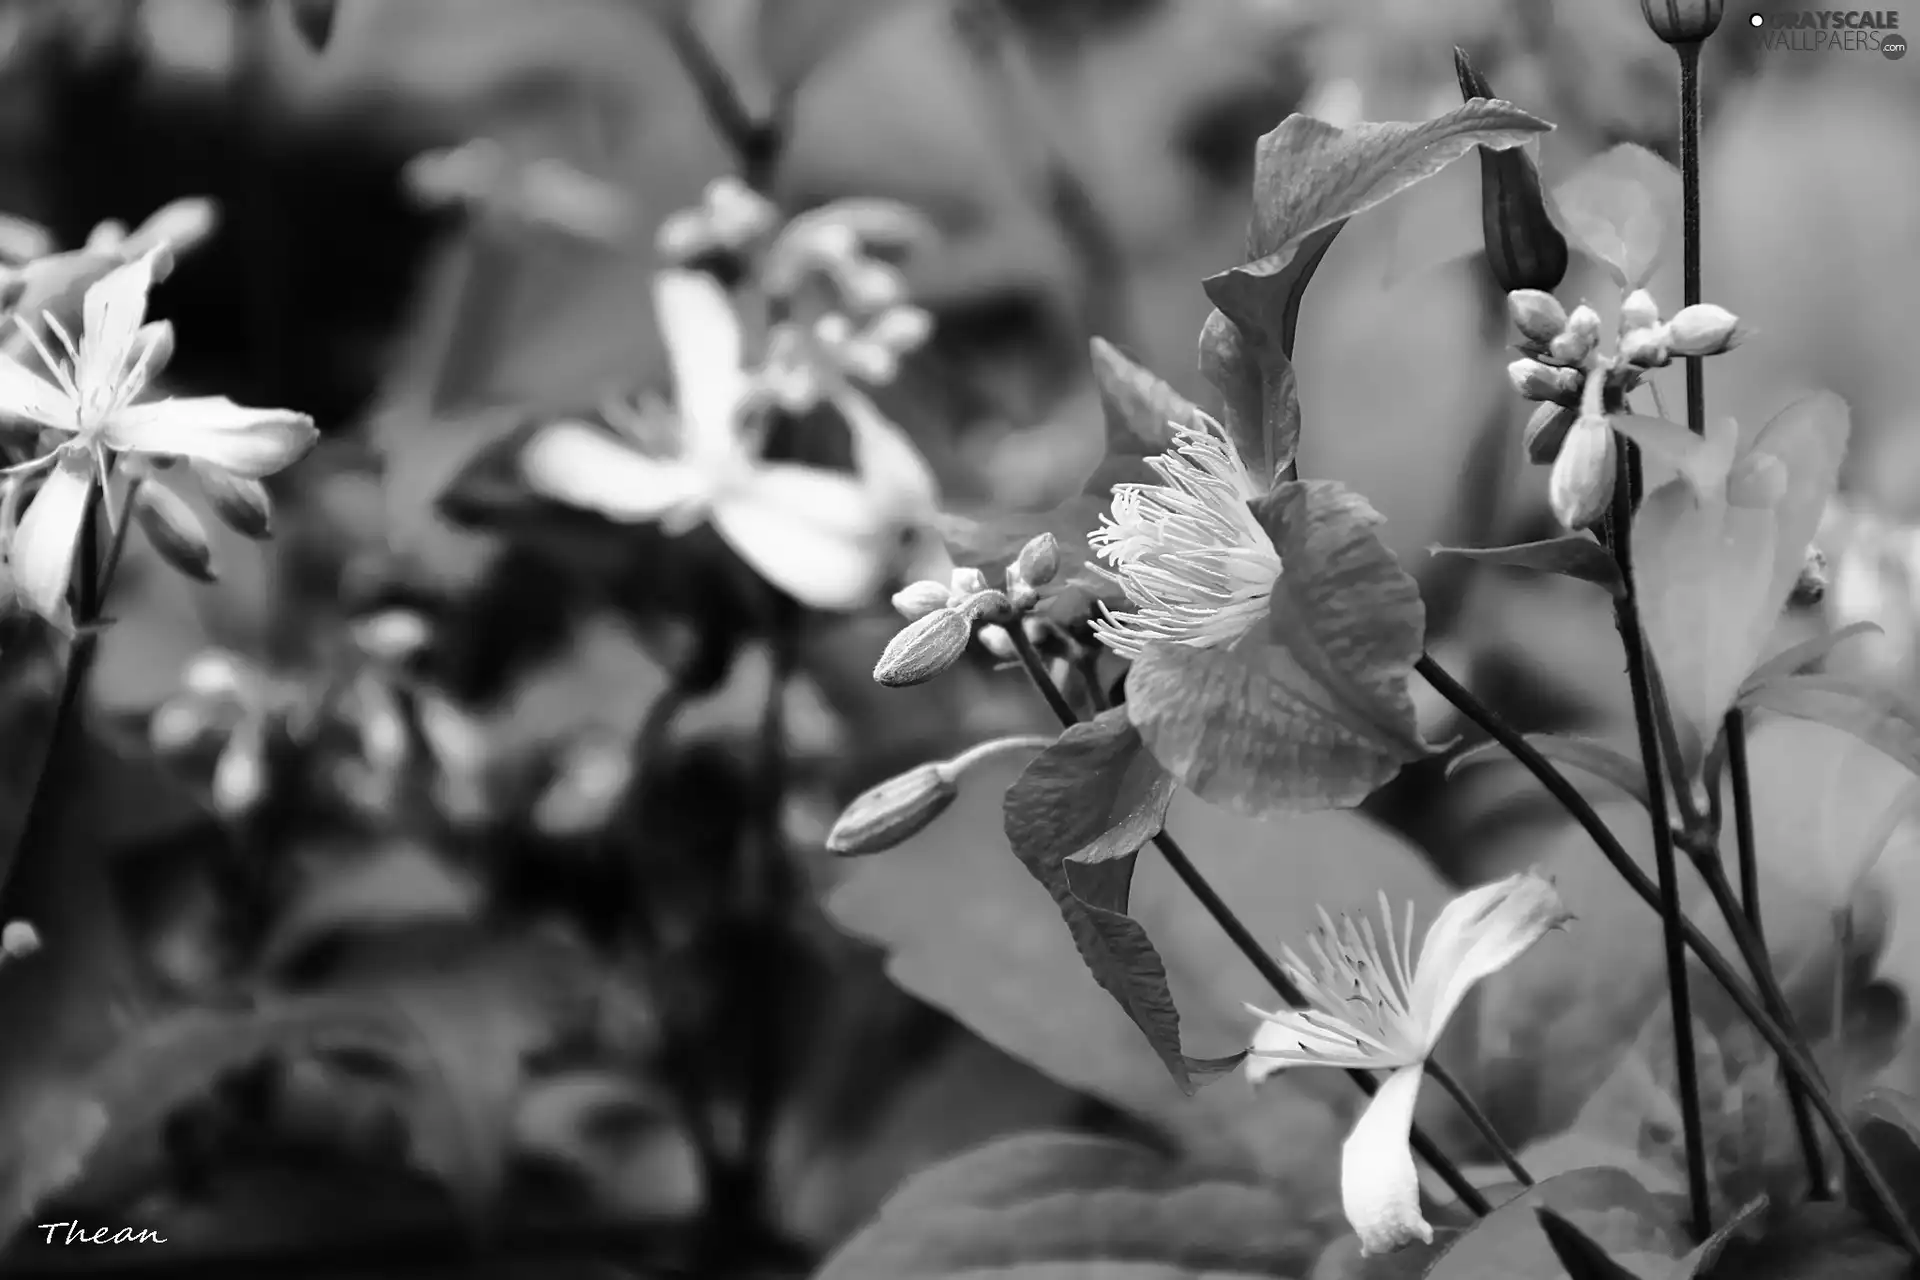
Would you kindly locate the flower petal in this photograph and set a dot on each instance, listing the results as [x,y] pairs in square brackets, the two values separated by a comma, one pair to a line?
[1379,1186]
[887,460]
[573,463]
[42,550]
[1476,935]
[814,534]
[25,394]
[253,443]
[115,306]
[701,331]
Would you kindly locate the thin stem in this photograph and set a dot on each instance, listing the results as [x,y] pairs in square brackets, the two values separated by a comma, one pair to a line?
[1582,811]
[1690,218]
[1666,864]
[1480,1120]
[1242,937]
[1741,782]
[756,143]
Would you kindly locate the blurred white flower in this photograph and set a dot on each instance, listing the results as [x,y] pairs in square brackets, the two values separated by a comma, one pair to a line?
[1874,576]
[91,399]
[827,538]
[1375,1008]
[730,217]
[543,191]
[1194,562]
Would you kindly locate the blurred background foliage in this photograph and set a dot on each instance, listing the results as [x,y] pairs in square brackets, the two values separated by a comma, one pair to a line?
[416,335]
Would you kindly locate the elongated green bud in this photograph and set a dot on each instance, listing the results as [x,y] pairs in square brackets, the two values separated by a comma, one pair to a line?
[924,649]
[1524,247]
[895,811]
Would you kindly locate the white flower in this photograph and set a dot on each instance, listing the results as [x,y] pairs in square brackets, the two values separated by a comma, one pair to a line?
[1188,552]
[1379,1009]
[827,538]
[91,399]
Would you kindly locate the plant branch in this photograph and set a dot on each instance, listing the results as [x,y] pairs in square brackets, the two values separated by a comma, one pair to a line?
[1582,812]
[1690,219]
[1249,946]
[1626,614]
[756,143]
[1481,1121]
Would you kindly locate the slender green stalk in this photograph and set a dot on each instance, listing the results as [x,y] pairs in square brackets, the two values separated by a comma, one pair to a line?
[1689,55]
[1481,1121]
[1257,955]
[1792,1058]
[1626,614]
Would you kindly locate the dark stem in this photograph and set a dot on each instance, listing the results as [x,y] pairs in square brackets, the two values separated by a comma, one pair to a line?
[756,143]
[1741,783]
[1481,1121]
[1690,218]
[1582,811]
[1626,614]
[1249,946]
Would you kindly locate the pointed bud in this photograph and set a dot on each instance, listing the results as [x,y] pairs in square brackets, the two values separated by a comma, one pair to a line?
[1702,330]
[1582,335]
[1639,311]
[1581,485]
[1039,560]
[1810,588]
[1538,381]
[918,599]
[1646,348]
[892,813]
[19,940]
[1537,315]
[925,648]
[967,582]
[174,531]
[1524,247]
[1546,431]
[1683,21]
[243,505]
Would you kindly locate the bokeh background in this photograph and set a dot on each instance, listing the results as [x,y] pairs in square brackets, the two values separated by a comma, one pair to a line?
[412,333]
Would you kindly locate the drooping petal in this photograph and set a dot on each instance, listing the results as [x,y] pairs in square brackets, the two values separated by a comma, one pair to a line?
[701,331]
[575,464]
[25,394]
[1476,935]
[114,309]
[41,554]
[1379,1186]
[814,534]
[1304,1038]
[249,442]
[895,471]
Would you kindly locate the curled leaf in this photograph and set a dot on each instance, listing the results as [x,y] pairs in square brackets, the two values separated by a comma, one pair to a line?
[1574,555]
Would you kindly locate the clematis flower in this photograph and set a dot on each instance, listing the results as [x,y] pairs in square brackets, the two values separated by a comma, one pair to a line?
[827,538]
[91,400]
[1188,552]
[1375,1007]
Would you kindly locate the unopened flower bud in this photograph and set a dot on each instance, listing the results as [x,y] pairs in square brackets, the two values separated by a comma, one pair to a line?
[1546,431]
[1039,560]
[968,581]
[869,285]
[1582,335]
[19,940]
[1581,484]
[174,531]
[240,776]
[243,505]
[1683,21]
[901,329]
[1639,311]
[918,599]
[1810,588]
[1646,348]
[1524,248]
[925,648]
[996,641]
[888,815]
[392,635]
[178,724]
[1702,330]
[213,674]
[1537,381]
[1536,314]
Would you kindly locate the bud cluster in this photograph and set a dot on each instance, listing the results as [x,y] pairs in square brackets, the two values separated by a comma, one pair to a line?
[731,218]
[941,617]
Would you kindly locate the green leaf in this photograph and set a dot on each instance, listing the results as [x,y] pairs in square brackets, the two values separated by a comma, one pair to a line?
[1795,660]
[1869,713]
[1621,209]
[1309,178]
[1044,1205]
[1818,1240]
[1603,762]
[1887,1123]
[1582,1258]
[966,929]
[1095,797]
[1319,716]
[1606,1205]
[1713,575]
[1573,555]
